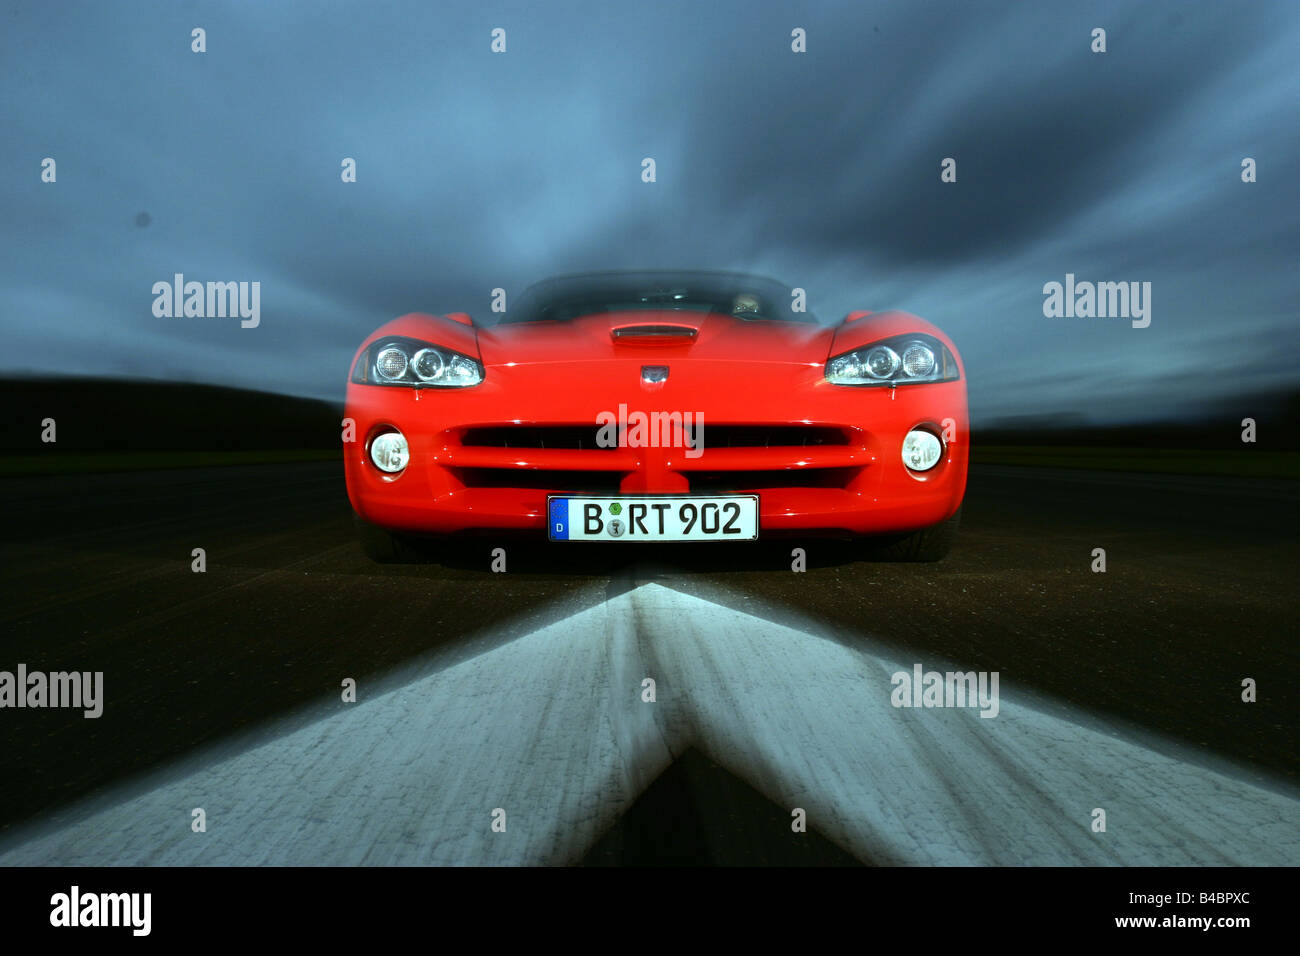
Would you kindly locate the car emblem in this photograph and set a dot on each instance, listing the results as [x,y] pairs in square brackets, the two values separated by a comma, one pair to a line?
[654,373]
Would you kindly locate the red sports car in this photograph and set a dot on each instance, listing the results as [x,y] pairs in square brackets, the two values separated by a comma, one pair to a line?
[653,407]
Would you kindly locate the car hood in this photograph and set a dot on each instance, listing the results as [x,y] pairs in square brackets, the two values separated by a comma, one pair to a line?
[645,334]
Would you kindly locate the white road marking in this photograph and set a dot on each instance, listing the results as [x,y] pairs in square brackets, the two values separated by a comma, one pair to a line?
[551,728]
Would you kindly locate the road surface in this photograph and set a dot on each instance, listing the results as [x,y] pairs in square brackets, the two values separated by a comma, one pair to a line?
[517,698]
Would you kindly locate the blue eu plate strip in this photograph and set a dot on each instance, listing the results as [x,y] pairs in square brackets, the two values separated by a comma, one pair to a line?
[559,519]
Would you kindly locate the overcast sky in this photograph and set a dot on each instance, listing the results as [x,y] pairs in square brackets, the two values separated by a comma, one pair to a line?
[822,169]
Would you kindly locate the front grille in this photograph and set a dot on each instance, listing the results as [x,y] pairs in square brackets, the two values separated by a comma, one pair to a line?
[715,436]
[525,436]
[540,479]
[716,481]
[771,436]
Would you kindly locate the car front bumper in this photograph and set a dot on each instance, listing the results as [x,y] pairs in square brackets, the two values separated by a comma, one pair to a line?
[483,459]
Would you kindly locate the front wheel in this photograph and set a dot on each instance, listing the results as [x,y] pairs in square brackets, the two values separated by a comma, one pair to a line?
[385,547]
[928,544]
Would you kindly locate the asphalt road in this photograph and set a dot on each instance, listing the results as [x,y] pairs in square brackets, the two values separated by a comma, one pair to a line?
[521,692]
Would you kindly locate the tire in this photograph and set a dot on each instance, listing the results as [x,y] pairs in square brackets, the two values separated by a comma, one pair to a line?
[384,547]
[928,544]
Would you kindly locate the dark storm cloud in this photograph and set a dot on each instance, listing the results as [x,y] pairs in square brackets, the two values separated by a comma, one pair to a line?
[478,170]
[1043,129]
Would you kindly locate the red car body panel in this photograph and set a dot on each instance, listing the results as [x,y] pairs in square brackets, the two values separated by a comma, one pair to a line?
[736,374]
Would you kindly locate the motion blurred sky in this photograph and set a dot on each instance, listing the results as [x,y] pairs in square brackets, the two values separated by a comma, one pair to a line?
[821,169]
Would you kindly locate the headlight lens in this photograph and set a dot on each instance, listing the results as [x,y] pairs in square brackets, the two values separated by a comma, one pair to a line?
[429,365]
[845,366]
[464,371]
[410,362]
[390,364]
[882,362]
[918,360]
[900,360]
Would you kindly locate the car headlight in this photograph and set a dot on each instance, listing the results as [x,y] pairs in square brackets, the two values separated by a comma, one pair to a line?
[899,360]
[410,362]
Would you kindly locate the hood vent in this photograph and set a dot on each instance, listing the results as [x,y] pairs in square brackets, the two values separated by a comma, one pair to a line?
[659,332]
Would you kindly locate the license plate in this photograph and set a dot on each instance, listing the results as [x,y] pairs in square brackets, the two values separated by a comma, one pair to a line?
[653,518]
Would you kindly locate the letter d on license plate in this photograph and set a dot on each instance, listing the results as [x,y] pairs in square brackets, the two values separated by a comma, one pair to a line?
[653,518]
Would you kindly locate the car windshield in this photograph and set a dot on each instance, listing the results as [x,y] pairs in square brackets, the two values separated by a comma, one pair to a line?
[746,297]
